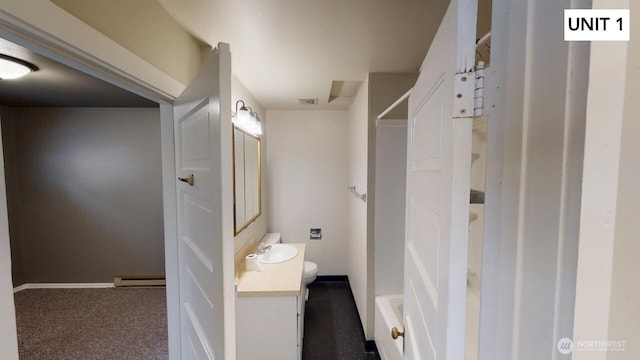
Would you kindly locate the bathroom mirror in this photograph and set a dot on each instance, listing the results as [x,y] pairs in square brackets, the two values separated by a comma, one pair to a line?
[246,178]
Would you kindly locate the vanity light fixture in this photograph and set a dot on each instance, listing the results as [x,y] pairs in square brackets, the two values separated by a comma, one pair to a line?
[13,68]
[246,119]
[256,126]
[242,116]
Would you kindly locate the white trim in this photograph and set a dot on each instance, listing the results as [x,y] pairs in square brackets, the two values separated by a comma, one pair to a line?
[226,168]
[8,328]
[20,288]
[519,106]
[170,229]
[601,171]
[504,158]
[572,162]
[63,286]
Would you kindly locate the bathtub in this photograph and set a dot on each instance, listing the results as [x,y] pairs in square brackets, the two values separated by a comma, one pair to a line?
[388,315]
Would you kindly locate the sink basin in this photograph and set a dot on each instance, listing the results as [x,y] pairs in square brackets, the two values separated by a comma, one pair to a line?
[278,253]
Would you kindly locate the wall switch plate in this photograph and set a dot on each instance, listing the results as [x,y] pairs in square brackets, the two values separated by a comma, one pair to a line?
[315,233]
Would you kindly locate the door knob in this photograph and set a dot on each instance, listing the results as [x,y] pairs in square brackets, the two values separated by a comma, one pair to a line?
[395,333]
[189,179]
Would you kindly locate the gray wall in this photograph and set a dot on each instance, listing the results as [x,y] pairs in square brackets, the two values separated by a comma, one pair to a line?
[84,193]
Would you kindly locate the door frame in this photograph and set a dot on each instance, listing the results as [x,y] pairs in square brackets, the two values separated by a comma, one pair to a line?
[513,140]
[37,27]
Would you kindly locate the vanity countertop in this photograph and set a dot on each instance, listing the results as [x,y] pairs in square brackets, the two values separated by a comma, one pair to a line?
[282,279]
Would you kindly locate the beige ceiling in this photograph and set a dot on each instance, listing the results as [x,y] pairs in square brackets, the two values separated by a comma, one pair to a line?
[283,50]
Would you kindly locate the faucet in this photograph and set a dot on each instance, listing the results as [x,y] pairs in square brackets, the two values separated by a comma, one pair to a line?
[263,249]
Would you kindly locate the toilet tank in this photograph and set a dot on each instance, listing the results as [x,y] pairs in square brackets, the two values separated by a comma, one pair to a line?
[270,239]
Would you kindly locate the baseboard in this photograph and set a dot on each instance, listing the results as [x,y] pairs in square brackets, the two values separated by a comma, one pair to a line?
[20,288]
[332,278]
[370,346]
[62,286]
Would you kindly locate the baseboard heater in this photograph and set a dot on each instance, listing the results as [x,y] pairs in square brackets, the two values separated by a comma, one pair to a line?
[139,280]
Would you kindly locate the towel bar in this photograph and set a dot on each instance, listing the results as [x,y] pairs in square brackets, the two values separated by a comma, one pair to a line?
[360,196]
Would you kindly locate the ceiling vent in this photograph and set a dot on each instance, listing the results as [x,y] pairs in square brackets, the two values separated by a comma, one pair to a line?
[308,101]
[341,88]
[343,92]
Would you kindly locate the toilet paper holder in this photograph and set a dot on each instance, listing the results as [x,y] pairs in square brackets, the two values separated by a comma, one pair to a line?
[315,234]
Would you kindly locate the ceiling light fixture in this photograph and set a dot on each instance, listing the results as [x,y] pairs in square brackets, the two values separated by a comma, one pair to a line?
[246,119]
[12,68]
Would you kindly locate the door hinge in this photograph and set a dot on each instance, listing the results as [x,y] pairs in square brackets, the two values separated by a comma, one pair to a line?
[463,85]
[478,98]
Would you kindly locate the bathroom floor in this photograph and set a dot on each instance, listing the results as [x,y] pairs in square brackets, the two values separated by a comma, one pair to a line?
[332,329]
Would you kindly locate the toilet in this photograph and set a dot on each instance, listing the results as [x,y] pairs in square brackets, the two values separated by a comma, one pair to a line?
[310,272]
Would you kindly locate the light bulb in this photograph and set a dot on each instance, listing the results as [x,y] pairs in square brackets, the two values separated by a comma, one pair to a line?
[10,69]
[243,117]
[256,127]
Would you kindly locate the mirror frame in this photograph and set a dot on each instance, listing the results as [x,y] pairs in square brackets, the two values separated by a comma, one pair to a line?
[237,230]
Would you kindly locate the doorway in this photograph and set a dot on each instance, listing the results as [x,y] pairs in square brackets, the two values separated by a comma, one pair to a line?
[83,171]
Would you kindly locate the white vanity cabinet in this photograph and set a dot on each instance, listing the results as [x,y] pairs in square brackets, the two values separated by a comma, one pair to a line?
[270,311]
[270,327]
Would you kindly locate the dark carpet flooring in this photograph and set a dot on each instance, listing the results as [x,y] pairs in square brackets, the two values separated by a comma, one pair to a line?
[332,328]
[123,324]
[92,324]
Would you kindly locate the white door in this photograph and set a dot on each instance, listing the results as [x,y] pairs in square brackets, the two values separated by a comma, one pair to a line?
[438,176]
[200,131]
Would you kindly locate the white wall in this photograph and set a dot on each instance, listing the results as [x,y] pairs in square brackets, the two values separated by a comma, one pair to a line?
[254,232]
[328,151]
[8,335]
[376,93]
[599,196]
[386,170]
[607,291]
[387,180]
[391,171]
[359,260]
[307,178]
[624,315]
